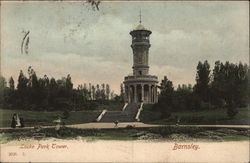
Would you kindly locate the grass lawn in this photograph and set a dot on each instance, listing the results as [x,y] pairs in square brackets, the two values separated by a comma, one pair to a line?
[36,118]
[213,116]
[43,118]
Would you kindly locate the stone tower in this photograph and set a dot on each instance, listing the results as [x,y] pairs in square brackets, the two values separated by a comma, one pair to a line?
[141,87]
[140,46]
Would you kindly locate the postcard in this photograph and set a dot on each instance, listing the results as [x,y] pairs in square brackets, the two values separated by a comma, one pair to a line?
[124,81]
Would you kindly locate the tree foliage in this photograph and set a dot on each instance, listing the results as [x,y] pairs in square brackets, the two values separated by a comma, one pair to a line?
[201,87]
[12,84]
[47,93]
[165,103]
[2,87]
[227,86]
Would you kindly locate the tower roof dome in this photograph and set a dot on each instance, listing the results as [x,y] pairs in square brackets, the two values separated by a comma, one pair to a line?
[140,27]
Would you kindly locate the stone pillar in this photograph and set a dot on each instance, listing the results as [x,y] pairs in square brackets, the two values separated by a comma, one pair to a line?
[129,90]
[135,93]
[155,92]
[152,93]
[156,96]
[126,93]
[149,94]
[142,92]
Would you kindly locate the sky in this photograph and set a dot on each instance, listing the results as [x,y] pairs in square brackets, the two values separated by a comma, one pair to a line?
[94,46]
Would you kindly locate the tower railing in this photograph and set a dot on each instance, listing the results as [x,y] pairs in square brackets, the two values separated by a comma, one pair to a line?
[140,40]
[141,77]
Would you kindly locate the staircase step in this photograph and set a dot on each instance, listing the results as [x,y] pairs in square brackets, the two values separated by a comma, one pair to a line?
[128,115]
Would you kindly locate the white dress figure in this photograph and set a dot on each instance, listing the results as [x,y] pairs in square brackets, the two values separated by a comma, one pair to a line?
[18,124]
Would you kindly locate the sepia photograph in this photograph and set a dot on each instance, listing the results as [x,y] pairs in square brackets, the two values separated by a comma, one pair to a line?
[124,81]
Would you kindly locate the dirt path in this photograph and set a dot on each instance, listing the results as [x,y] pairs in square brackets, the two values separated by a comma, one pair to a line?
[133,124]
[139,124]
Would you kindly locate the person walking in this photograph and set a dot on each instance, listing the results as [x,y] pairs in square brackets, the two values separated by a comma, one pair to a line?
[18,123]
[21,122]
[13,122]
[116,123]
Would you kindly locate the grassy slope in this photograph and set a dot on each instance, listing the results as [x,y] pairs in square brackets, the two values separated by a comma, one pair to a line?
[34,118]
[216,116]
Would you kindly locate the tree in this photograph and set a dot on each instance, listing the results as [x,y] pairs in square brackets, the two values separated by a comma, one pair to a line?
[166,86]
[241,82]
[11,84]
[235,87]
[98,92]
[107,91]
[90,92]
[46,81]
[93,92]
[69,84]
[202,81]
[103,96]
[22,81]
[22,92]
[2,82]
[52,84]
[217,85]
[2,87]
[248,85]
[34,91]
[84,93]
[9,93]
[112,95]
[33,82]
[165,102]
[43,92]
[230,85]
[52,93]
[61,83]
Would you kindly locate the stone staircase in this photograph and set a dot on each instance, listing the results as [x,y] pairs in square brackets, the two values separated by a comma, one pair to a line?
[127,115]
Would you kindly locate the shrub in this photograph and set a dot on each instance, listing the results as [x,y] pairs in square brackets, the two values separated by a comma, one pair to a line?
[130,127]
[204,105]
[65,114]
[231,112]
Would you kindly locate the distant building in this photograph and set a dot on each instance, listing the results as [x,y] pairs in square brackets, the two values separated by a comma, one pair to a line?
[141,87]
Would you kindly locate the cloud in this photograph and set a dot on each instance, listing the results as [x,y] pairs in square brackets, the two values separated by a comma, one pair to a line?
[94,46]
